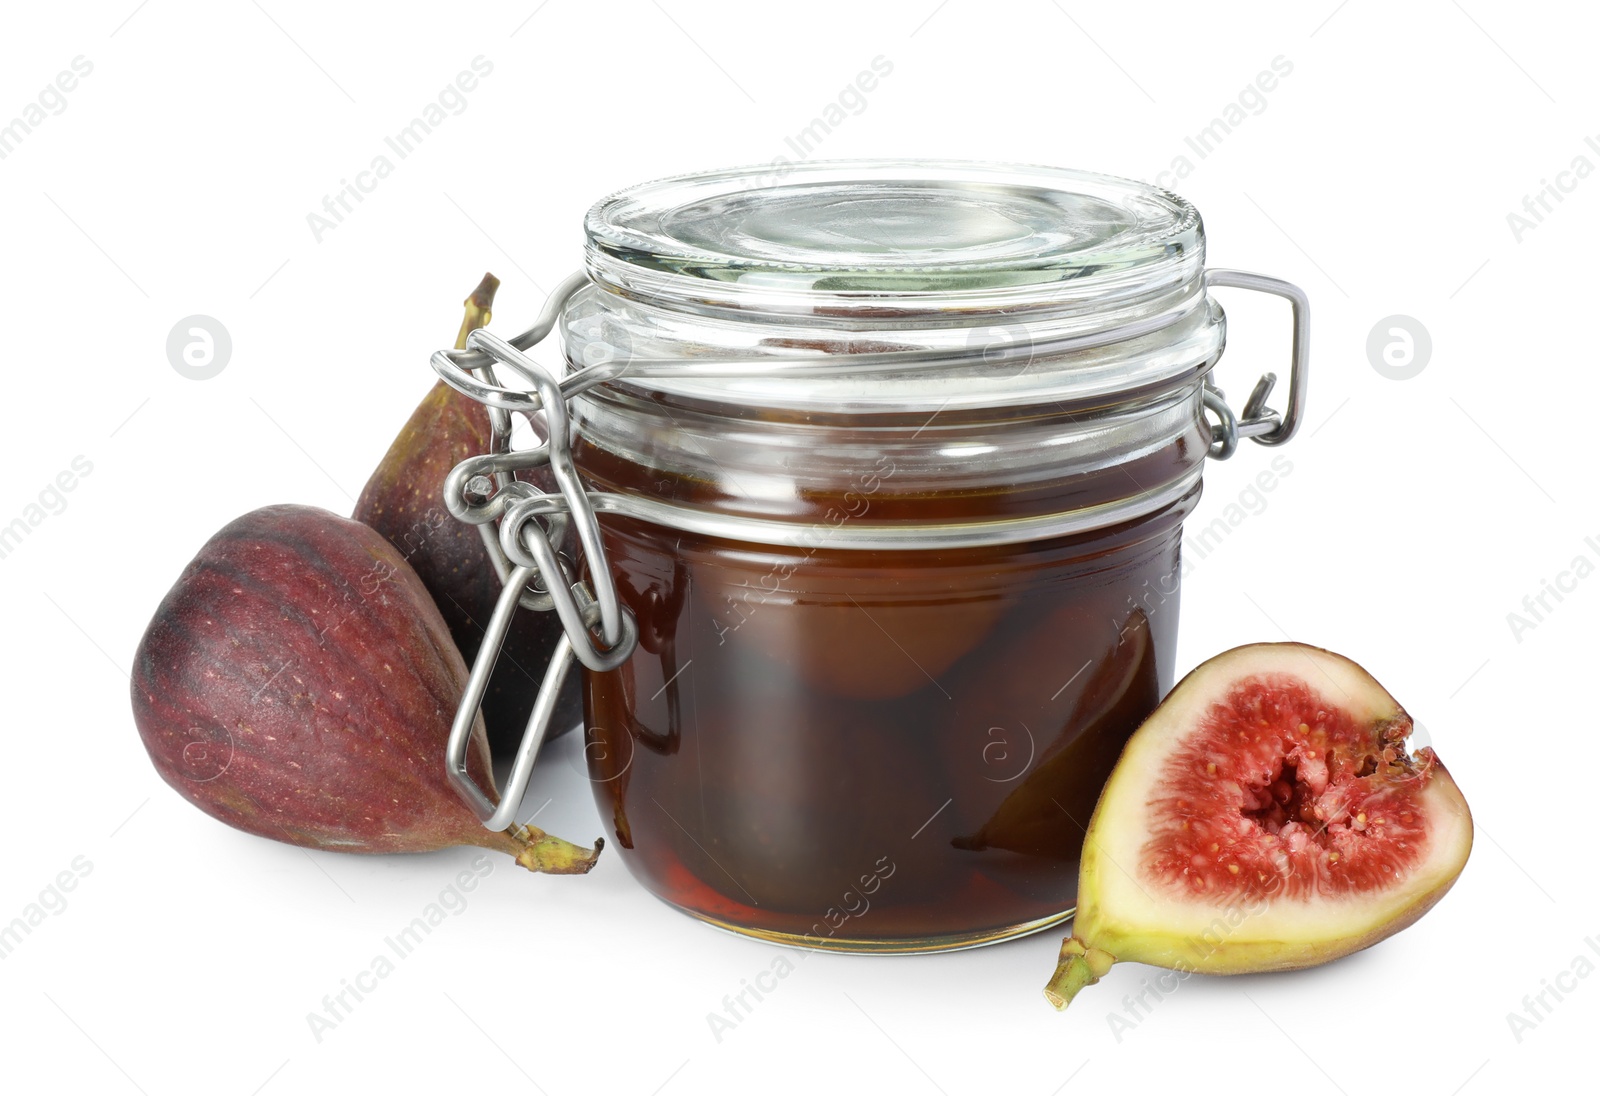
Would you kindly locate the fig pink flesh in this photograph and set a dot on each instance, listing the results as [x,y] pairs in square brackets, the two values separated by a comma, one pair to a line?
[1277,791]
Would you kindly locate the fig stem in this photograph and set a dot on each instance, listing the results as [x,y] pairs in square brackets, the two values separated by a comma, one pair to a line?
[543,852]
[1079,966]
[478,306]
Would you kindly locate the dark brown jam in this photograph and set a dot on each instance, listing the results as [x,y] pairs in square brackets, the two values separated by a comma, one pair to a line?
[894,749]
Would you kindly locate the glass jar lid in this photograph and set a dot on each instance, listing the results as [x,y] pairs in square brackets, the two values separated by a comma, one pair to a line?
[934,236]
[878,285]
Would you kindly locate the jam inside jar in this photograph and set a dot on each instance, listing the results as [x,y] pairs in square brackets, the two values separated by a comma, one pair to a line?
[890,461]
[876,751]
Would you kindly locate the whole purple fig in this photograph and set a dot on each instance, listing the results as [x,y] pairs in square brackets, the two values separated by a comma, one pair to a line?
[299,683]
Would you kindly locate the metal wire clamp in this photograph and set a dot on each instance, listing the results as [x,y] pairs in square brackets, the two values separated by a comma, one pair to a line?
[597,629]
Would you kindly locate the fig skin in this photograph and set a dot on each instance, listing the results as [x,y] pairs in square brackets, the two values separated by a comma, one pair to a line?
[404,500]
[298,683]
[1120,920]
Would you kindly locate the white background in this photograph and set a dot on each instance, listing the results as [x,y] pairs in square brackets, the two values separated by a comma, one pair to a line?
[1419,513]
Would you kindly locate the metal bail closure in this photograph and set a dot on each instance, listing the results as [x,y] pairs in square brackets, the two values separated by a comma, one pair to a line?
[1258,421]
[484,489]
[597,629]
[501,816]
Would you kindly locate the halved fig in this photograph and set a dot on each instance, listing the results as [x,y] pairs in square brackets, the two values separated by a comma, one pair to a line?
[1266,817]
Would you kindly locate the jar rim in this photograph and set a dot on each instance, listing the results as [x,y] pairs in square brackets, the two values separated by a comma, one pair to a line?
[873,287]
[863,237]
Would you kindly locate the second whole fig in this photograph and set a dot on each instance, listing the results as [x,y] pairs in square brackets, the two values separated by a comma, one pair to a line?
[404,500]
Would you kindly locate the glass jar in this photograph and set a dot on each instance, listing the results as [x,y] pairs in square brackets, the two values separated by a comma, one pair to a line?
[890,462]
